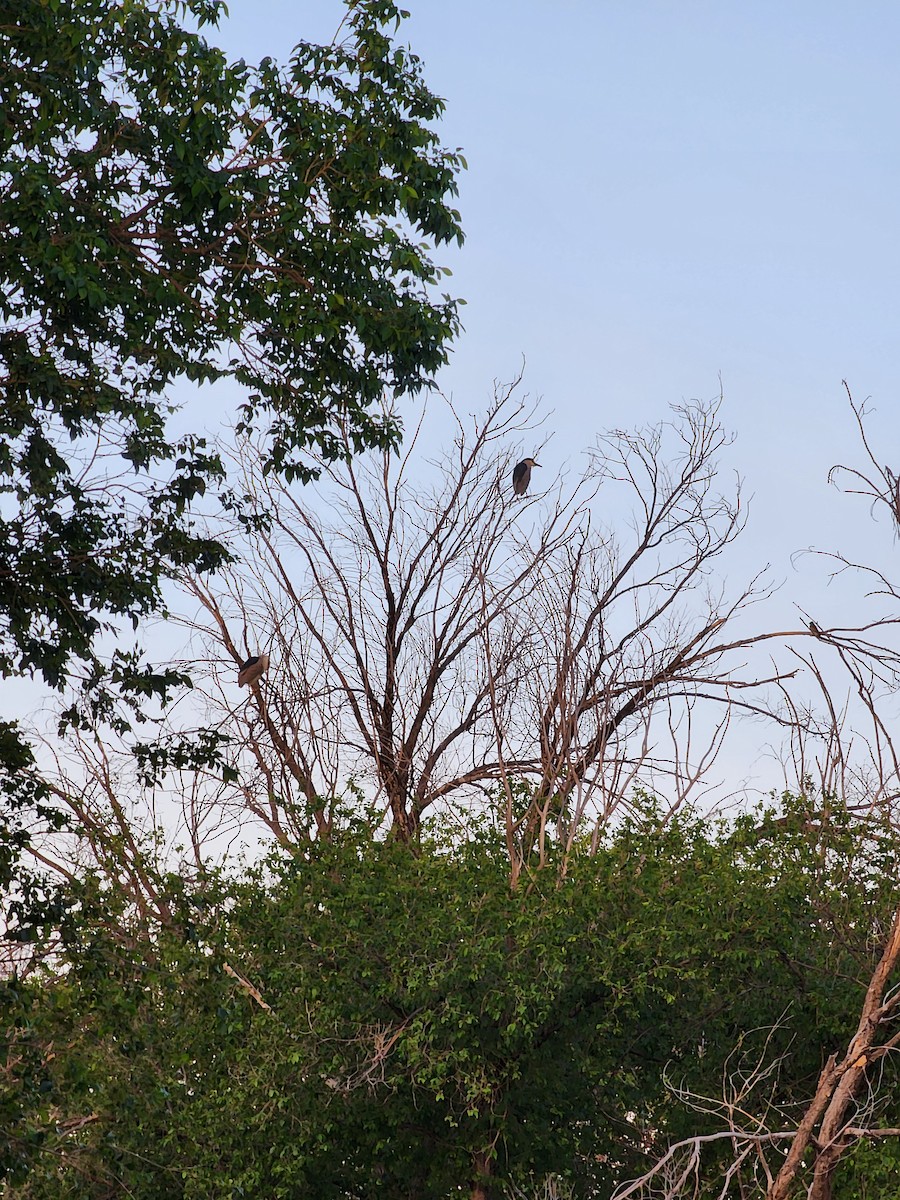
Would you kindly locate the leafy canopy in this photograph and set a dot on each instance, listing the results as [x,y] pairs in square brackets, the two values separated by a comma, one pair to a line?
[166,213]
[412,1012]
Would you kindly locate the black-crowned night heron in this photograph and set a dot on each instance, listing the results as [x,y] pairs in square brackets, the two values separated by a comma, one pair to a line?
[254,668]
[522,475]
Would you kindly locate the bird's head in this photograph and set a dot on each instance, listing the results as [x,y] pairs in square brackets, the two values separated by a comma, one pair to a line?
[532,462]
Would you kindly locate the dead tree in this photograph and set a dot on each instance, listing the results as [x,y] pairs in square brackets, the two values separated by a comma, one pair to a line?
[831,1123]
[842,733]
[376,593]
[439,643]
[437,639]
[636,632]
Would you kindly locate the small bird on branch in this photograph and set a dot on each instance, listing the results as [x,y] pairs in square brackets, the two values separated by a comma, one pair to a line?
[522,475]
[254,668]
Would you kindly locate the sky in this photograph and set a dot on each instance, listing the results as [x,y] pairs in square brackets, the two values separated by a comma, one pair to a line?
[664,199]
[664,196]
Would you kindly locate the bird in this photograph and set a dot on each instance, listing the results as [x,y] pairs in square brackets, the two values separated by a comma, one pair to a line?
[254,668]
[522,475]
[814,629]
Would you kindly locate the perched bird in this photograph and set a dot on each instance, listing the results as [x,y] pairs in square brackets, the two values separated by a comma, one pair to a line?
[814,629]
[254,668]
[522,475]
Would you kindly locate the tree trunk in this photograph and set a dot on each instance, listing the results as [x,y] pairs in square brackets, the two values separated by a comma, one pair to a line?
[839,1085]
[481,1162]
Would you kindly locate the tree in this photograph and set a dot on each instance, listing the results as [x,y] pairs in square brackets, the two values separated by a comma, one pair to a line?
[166,213]
[442,641]
[442,646]
[356,1020]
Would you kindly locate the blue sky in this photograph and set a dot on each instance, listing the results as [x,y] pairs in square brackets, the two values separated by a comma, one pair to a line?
[661,193]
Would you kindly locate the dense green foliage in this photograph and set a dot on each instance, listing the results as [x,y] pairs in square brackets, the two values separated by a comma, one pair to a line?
[166,213]
[421,1014]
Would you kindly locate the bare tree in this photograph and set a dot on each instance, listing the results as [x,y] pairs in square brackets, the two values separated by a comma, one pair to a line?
[832,1121]
[441,644]
[635,626]
[376,600]
[839,1114]
[841,736]
[438,639]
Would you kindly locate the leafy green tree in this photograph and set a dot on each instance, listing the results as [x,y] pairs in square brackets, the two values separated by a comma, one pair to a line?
[358,1020]
[167,214]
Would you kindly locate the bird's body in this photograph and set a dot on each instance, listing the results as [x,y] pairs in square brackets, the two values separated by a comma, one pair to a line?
[522,475]
[254,668]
